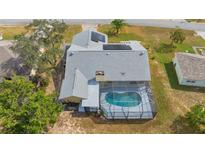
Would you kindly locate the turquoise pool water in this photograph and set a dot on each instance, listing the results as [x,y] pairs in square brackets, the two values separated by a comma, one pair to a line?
[125,99]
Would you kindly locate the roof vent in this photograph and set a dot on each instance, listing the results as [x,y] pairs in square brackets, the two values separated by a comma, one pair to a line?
[142,53]
[122,73]
[72,53]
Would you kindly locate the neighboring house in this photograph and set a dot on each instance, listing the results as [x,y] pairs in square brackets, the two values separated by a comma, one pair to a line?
[190,69]
[112,78]
[6,58]
[9,61]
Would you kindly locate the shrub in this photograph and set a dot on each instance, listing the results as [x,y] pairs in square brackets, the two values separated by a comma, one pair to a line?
[166,48]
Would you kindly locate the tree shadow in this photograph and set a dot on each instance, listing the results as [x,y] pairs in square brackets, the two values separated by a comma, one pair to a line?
[173,80]
[59,73]
[180,126]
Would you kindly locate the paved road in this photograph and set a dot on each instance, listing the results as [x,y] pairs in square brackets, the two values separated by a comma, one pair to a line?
[144,22]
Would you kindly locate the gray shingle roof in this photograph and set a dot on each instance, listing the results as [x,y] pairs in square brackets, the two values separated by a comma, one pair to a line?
[118,65]
[192,66]
[113,63]
[75,85]
[5,66]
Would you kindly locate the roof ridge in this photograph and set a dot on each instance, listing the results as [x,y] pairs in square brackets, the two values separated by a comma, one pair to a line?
[191,55]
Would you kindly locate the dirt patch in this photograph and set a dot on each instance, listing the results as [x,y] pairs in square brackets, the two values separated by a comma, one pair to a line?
[66,124]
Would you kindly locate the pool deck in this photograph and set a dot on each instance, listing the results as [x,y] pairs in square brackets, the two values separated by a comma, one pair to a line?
[93,96]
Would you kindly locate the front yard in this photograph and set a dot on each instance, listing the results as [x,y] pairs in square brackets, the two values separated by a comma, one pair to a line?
[171,99]
[10,31]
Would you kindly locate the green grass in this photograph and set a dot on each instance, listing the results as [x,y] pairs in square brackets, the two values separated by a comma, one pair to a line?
[10,31]
[161,98]
[71,30]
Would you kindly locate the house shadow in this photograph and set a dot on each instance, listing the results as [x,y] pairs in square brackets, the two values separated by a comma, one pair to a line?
[58,76]
[100,119]
[59,73]
[173,80]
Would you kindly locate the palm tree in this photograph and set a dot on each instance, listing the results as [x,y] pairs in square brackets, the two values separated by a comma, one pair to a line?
[117,25]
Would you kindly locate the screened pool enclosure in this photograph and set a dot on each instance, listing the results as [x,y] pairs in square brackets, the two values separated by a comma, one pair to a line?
[126,100]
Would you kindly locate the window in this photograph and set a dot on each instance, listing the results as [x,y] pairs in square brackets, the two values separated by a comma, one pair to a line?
[190,81]
[132,82]
[96,37]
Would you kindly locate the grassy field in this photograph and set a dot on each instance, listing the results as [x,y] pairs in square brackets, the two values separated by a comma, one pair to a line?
[152,37]
[72,30]
[171,99]
[196,20]
[10,31]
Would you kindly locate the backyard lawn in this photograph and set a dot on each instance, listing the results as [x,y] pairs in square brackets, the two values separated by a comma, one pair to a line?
[171,99]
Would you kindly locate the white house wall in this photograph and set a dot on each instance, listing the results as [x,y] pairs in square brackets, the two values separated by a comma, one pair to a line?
[197,83]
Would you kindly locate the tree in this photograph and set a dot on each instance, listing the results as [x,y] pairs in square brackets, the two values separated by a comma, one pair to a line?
[28,51]
[23,109]
[177,37]
[195,116]
[117,25]
[41,48]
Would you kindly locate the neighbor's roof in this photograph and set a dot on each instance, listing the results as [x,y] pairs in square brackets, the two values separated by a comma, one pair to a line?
[192,66]
[6,59]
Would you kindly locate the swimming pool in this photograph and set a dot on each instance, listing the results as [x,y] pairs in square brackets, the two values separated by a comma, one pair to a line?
[123,99]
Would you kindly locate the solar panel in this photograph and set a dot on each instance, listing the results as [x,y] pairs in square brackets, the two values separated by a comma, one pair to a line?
[116,47]
[96,37]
